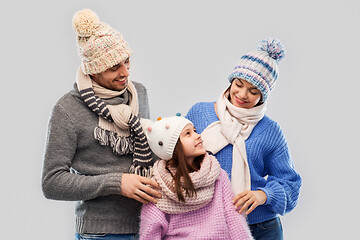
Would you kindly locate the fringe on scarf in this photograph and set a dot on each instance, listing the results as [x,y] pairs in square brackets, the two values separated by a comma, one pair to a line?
[135,144]
[120,145]
[142,158]
[142,171]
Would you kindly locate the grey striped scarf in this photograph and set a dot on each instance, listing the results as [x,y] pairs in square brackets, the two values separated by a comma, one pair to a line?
[142,159]
[124,118]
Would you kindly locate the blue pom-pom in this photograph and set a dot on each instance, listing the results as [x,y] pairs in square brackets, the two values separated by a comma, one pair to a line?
[273,47]
[178,114]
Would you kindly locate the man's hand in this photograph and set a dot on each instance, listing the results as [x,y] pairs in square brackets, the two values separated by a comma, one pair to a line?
[135,187]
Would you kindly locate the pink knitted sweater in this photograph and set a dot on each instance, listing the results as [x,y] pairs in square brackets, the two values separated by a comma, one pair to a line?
[216,220]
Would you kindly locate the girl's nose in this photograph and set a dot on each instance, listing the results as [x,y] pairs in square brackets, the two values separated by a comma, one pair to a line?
[197,135]
[243,93]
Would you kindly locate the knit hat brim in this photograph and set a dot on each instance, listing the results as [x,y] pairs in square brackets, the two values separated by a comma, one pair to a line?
[106,60]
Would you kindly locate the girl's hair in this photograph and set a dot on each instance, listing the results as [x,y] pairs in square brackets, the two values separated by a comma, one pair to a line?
[182,180]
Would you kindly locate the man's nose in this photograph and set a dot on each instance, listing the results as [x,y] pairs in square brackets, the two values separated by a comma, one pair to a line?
[123,71]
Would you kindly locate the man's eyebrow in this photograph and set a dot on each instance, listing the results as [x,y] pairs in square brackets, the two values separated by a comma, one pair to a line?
[117,65]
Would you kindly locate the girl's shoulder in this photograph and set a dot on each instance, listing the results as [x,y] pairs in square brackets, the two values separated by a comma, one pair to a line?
[224,177]
[267,133]
[266,124]
[224,183]
[202,114]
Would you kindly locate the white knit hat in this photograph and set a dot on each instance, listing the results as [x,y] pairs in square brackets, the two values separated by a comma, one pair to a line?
[163,135]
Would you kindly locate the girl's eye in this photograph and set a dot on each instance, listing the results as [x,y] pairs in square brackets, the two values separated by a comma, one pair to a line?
[254,92]
[238,85]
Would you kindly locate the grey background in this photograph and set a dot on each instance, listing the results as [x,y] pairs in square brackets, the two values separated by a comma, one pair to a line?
[183,53]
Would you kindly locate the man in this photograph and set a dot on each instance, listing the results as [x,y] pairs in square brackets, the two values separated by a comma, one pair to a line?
[91,141]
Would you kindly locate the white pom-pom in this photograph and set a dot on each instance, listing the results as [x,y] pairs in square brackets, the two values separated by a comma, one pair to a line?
[85,22]
[273,47]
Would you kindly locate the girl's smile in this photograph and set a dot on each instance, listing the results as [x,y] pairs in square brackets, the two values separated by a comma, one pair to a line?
[240,101]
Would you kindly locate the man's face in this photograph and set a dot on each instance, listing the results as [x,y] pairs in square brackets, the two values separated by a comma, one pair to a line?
[114,78]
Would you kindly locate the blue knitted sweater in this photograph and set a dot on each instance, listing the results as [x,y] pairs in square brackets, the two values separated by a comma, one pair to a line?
[271,167]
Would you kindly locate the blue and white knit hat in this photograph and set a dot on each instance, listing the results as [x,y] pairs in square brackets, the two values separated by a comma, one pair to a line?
[260,67]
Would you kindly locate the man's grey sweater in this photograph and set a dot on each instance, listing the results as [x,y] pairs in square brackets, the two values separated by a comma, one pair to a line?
[77,168]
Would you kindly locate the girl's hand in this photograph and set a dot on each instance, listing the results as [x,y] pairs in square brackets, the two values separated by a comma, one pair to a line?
[249,198]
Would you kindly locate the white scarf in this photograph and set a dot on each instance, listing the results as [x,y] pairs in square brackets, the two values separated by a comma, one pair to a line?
[234,127]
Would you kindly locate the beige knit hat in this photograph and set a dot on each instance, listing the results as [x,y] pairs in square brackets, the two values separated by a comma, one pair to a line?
[99,46]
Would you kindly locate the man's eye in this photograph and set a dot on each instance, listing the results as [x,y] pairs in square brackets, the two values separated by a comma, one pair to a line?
[114,68]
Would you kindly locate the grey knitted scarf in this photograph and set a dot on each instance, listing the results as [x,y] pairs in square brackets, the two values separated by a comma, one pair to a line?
[136,143]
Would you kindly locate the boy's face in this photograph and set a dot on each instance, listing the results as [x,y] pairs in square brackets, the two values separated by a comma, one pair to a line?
[114,78]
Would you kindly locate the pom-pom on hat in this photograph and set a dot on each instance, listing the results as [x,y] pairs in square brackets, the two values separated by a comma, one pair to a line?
[100,47]
[260,68]
[163,135]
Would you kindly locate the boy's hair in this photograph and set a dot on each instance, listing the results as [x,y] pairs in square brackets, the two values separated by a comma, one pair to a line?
[182,180]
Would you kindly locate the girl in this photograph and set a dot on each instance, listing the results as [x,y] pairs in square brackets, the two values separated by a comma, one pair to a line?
[196,192]
[250,146]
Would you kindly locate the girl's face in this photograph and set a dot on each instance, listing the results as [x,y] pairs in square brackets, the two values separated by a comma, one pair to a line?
[191,142]
[243,94]
[114,78]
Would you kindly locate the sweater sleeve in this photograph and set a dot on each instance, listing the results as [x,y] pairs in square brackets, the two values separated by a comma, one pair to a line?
[57,180]
[283,182]
[144,110]
[236,222]
[153,223]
